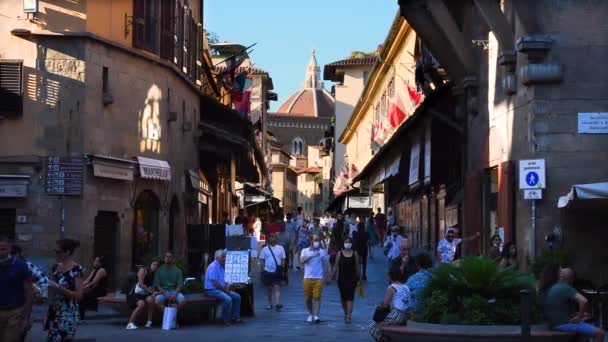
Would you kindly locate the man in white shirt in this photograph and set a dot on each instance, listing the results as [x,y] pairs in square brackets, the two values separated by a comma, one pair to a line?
[270,255]
[391,245]
[314,259]
[446,249]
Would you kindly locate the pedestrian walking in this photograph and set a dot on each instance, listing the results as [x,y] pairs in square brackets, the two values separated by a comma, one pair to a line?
[397,298]
[273,260]
[65,290]
[168,280]
[142,295]
[16,295]
[380,220]
[446,249]
[314,260]
[338,231]
[391,245]
[348,274]
[292,229]
[216,287]
[39,279]
[373,237]
[94,286]
[361,242]
[303,241]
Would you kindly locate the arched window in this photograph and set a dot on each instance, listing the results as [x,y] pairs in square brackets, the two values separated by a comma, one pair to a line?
[298,146]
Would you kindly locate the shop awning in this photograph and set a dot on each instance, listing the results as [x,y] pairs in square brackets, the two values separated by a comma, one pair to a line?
[584,192]
[14,185]
[154,169]
[111,167]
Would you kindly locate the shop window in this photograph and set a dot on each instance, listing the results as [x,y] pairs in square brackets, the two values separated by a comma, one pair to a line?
[11,88]
[145,227]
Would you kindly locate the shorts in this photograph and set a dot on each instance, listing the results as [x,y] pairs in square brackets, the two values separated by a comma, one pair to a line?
[161,298]
[271,278]
[581,328]
[312,288]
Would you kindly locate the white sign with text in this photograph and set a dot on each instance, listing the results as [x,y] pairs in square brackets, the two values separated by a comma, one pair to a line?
[532,174]
[593,123]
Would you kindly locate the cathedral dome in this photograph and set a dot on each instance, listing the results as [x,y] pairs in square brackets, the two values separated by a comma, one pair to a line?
[312,99]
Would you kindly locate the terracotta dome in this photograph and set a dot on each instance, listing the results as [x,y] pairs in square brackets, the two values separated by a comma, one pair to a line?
[312,99]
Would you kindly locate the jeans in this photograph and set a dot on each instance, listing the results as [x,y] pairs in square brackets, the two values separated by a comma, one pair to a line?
[234,300]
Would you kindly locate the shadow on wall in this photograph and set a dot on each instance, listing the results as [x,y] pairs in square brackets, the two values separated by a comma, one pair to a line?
[63,15]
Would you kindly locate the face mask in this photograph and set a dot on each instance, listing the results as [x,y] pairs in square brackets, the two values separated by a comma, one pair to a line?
[348,245]
[316,244]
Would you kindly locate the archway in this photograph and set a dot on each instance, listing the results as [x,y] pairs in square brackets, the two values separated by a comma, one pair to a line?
[145,227]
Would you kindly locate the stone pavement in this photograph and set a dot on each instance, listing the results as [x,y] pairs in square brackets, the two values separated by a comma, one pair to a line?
[287,325]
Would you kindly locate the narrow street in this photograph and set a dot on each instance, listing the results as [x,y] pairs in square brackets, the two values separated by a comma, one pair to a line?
[287,325]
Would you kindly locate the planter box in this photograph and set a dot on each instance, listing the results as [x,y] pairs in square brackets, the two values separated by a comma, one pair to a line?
[423,332]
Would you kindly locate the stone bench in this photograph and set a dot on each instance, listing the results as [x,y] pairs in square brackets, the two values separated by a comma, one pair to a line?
[422,332]
[197,308]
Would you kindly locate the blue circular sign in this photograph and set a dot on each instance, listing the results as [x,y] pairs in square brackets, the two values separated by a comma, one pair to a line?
[532,178]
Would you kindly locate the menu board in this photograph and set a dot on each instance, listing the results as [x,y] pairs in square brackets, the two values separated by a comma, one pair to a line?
[64,175]
[237,267]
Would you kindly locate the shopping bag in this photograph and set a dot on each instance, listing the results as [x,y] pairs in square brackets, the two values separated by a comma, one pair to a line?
[360,290]
[169,318]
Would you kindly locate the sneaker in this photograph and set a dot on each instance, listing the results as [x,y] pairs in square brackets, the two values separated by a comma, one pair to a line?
[309,320]
[131,326]
[317,320]
[149,324]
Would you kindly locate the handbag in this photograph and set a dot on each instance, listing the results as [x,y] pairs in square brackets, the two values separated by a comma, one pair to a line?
[169,318]
[380,313]
[279,270]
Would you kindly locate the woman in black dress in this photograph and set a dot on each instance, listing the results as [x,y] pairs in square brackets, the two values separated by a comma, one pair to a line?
[348,274]
[95,286]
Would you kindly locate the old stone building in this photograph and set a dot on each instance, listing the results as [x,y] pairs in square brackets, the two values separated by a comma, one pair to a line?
[525,73]
[100,130]
[304,120]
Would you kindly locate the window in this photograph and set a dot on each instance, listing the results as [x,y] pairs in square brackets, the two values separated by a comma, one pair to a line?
[298,146]
[105,87]
[11,88]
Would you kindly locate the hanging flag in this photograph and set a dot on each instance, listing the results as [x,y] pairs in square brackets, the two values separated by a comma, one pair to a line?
[415,96]
[242,102]
[396,114]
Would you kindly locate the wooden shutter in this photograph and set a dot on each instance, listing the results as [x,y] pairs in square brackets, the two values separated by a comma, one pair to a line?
[192,48]
[139,23]
[178,48]
[167,13]
[11,88]
[505,199]
[199,53]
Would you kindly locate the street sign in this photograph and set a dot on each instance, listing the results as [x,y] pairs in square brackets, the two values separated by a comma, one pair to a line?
[532,174]
[64,175]
[533,194]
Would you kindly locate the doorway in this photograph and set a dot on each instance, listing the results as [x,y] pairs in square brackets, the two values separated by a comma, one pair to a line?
[490,211]
[7,223]
[173,218]
[106,241]
[145,228]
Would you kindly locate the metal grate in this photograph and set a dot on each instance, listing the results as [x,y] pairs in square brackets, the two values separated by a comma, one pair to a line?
[11,88]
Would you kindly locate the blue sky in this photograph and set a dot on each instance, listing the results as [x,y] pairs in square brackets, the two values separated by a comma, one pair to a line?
[287,30]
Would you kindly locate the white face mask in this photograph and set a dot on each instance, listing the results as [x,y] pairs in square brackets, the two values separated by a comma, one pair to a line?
[316,244]
[348,245]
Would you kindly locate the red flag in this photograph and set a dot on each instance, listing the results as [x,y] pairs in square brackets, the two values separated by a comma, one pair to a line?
[242,102]
[415,96]
[395,114]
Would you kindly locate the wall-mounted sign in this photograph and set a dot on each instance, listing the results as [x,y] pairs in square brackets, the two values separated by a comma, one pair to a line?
[13,188]
[202,198]
[114,171]
[532,174]
[593,123]
[154,169]
[30,6]
[64,175]
[533,194]
[237,267]
[359,202]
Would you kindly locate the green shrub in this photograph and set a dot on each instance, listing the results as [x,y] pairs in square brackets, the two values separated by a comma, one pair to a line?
[477,292]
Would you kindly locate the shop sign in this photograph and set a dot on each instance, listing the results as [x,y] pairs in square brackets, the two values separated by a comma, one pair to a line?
[593,123]
[414,163]
[13,189]
[64,175]
[532,174]
[254,199]
[359,202]
[202,198]
[154,169]
[112,171]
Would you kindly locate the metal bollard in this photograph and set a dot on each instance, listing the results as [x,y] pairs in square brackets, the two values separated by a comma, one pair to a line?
[526,313]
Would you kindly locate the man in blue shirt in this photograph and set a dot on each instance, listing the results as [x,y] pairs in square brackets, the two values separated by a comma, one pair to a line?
[16,295]
[216,287]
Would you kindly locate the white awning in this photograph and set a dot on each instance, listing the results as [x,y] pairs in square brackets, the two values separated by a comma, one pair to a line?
[154,169]
[584,192]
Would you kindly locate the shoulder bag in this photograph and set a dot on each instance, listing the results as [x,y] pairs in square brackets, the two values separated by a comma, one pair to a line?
[281,271]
